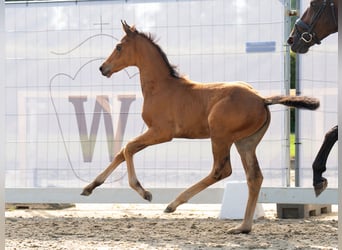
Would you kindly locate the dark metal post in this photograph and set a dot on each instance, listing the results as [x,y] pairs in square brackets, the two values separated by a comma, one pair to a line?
[297,115]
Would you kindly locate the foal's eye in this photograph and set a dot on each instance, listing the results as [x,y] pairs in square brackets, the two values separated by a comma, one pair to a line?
[118,47]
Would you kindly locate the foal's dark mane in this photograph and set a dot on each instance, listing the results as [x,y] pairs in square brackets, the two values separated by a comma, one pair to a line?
[172,68]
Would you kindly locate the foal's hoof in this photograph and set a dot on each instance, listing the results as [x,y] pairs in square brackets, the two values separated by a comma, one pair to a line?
[148,196]
[238,230]
[169,209]
[86,192]
[320,187]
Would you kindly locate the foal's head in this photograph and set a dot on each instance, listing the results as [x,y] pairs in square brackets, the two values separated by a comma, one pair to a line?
[318,21]
[123,54]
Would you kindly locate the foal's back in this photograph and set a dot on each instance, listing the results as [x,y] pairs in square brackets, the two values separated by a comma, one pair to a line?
[197,110]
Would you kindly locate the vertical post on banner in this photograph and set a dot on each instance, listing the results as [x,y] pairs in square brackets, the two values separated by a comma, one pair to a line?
[287,72]
[2,127]
[339,134]
[297,115]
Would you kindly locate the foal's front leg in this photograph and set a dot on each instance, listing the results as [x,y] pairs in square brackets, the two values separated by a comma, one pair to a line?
[100,179]
[150,137]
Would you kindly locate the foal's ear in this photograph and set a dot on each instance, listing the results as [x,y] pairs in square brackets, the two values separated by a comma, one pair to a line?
[129,31]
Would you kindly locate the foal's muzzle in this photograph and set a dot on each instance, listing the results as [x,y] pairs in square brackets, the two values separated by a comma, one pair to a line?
[105,70]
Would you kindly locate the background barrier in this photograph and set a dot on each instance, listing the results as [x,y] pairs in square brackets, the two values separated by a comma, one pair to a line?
[65,122]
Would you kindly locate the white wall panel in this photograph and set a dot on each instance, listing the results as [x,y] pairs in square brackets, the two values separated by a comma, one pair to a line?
[2,125]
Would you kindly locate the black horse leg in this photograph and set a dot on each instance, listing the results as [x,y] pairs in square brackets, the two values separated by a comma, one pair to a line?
[319,164]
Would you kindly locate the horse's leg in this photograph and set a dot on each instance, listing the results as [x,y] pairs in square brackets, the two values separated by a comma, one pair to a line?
[246,148]
[146,139]
[319,164]
[254,181]
[221,169]
[119,158]
[150,137]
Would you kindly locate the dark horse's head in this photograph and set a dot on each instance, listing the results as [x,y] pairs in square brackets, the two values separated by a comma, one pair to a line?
[319,20]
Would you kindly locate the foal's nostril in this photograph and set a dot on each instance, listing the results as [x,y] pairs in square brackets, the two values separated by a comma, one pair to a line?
[290,41]
[105,70]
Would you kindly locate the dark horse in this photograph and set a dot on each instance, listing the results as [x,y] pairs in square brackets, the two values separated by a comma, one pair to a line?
[176,107]
[318,21]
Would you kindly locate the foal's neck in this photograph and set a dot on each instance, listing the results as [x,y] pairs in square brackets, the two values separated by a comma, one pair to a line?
[154,70]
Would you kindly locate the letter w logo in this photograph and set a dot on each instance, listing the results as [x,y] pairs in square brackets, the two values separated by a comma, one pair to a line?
[101,107]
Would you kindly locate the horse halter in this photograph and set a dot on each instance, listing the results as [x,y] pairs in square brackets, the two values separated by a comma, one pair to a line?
[309,35]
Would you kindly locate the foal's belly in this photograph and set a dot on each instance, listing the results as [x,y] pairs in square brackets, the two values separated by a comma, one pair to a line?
[196,131]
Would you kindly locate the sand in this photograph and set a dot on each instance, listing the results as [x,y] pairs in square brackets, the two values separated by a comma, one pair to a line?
[145,226]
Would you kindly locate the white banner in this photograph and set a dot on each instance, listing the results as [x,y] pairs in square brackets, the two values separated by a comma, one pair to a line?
[65,121]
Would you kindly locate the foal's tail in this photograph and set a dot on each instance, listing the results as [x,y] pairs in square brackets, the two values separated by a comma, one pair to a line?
[304,102]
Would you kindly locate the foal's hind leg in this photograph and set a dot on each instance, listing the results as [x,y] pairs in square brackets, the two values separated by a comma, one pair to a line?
[254,181]
[319,164]
[221,169]
[246,148]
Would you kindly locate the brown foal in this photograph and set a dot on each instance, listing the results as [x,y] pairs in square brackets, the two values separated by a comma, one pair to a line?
[175,107]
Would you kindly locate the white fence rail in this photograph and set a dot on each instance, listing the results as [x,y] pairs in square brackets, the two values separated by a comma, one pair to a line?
[164,196]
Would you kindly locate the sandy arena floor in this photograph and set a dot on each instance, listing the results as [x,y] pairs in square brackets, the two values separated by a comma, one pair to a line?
[145,226]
